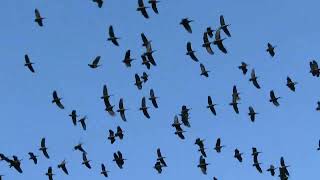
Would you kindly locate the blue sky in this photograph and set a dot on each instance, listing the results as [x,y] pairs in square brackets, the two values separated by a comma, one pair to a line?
[76,32]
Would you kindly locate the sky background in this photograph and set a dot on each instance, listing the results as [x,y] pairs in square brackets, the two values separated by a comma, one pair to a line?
[76,31]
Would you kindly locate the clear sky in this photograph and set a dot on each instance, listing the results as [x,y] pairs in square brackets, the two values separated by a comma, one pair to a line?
[75,32]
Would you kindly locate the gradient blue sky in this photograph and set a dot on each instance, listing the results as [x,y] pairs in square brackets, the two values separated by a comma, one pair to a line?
[76,31]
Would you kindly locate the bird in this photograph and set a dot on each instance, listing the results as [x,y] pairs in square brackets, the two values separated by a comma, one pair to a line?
[314,68]
[144,108]
[104,172]
[15,162]
[43,148]
[145,77]
[138,82]
[148,54]
[142,9]
[111,136]
[50,173]
[291,84]
[85,161]
[272,169]
[1,177]
[318,149]
[95,62]
[238,155]
[211,105]
[154,5]
[203,165]
[284,166]
[158,166]
[145,40]
[119,133]
[79,148]
[224,26]
[218,146]
[38,18]
[117,157]
[200,143]
[206,44]
[145,61]
[274,99]
[63,166]
[270,49]
[176,124]
[243,68]
[28,63]
[57,100]
[127,59]
[153,98]
[191,52]
[122,110]
[318,106]
[112,36]
[252,113]
[204,72]
[185,22]
[185,116]
[254,78]
[235,93]
[219,41]
[99,3]
[210,32]
[257,164]
[282,174]
[33,157]
[161,158]
[74,116]
[109,107]
[83,122]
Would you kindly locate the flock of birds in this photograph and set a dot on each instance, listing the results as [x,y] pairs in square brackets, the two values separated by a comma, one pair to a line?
[149,61]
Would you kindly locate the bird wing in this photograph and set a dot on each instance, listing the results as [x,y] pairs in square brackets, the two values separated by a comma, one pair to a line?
[154,7]
[96,60]
[43,142]
[37,13]
[111,32]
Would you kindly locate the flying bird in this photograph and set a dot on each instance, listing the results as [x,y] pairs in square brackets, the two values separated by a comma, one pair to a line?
[211,106]
[185,22]
[252,113]
[238,155]
[74,116]
[138,82]
[145,61]
[153,98]
[291,84]
[142,9]
[218,146]
[200,143]
[33,157]
[272,169]
[104,172]
[57,100]
[224,26]
[314,68]
[185,116]
[50,173]
[43,148]
[127,59]
[79,148]
[318,149]
[191,52]
[122,110]
[111,137]
[284,166]
[158,166]
[99,3]
[270,49]
[274,99]
[154,5]
[144,108]
[95,62]
[83,122]
[148,54]
[203,165]
[38,18]
[85,161]
[112,37]
[254,78]
[117,157]
[243,68]
[204,72]
[210,32]
[119,133]
[145,77]
[161,158]
[28,63]
[176,124]
[206,44]
[219,41]
[16,163]
[235,94]
[63,166]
